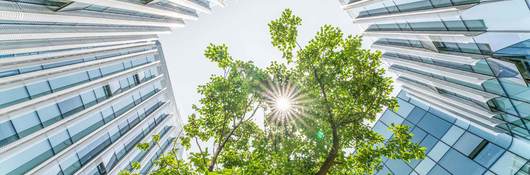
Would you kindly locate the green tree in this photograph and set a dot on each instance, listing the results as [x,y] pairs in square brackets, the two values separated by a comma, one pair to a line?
[348,89]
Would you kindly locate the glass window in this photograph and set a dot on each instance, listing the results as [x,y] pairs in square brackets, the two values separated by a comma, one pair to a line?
[390,117]
[111,69]
[416,115]
[489,154]
[69,80]
[71,106]
[398,167]
[94,74]
[89,99]
[434,125]
[437,170]
[475,25]
[452,135]
[418,135]
[428,142]
[438,151]
[108,114]
[49,115]
[428,26]
[27,159]
[27,124]
[114,133]
[404,108]
[70,164]
[30,69]
[441,3]
[425,166]
[442,115]
[85,127]
[60,141]
[455,25]
[457,163]
[7,133]
[467,143]
[100,94]
[39,89]
[12,96]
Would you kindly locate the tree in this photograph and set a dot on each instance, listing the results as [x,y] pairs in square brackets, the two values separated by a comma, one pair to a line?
[340,88]
[348,89]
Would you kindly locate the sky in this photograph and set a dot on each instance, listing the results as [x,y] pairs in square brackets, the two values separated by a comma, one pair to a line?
[242,25]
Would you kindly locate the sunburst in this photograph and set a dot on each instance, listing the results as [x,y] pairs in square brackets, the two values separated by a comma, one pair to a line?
[284,103]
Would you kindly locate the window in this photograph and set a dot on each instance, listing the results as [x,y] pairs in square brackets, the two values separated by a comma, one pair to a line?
[94,74]
[7,133]
[437,170]
[12,96]
[416,115]
[27,124]
[89,99]
[49,115]
[70,164]
[390,117]
[71,106]
[28,159]
[398,167]
[429,143]
[457,163]
[438,151]
[404,108]
[508,164]
[39,89]
[467,143]
[452,135]
[69,80]
[60,141]
[100,94]
[489,154]
[425,166]
[434,125]
[418,136]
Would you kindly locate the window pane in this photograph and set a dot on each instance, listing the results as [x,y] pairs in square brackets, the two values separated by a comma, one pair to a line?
[70,164]
[428,143]
[489,154]
[12,96]
[94,74]
[7,133]
[467,143]
[416,115]
[508,164]
[425,166]
[27,124]
[438,151]
[85,127]
[100,94]
[69,80]
[398,167]
[27,159]
[455,25]
[71,106]
[89,99]
[60,141]
[437,170]
[39,89]
[452,135]
[457,163]
[434,125]
[49,115]
[111,69]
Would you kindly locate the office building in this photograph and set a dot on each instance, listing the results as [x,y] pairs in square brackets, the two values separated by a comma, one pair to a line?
[464,69]
[84,81]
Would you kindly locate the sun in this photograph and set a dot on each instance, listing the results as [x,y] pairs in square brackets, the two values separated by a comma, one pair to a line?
[284,103]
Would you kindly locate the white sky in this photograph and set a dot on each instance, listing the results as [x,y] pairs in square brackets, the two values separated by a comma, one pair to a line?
[242,25]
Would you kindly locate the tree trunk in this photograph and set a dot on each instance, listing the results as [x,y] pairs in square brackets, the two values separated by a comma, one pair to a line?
[329,162]
[214,158]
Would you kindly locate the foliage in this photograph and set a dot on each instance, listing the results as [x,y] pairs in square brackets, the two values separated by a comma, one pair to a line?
[346,88]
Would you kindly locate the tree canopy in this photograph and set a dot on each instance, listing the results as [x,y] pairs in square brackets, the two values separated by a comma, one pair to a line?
[338,89]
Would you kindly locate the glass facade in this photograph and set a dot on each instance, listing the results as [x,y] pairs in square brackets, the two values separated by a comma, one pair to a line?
[453,146]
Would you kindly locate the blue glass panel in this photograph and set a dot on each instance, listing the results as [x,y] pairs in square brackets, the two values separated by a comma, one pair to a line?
[12,96]
[7,133]
[69,80]
[27,159]
[437,170]
[49,115]
[438,151]
[27,124]
[404,108]
[70,164]
[508,164]
[467,143]
[89,99]
[434,125]
[429,143]
[416,115]
[384,171]
[459,164]
[452,135]
[112,69]
[108,114]
[489,155]
[94,74]
[390,117]
[425,166]
[39,89]
[418,135]
[442,115]
[71,106]
[398,167]
[60,141]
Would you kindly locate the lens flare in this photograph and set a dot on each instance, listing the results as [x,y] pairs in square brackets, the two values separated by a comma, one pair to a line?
[284,103]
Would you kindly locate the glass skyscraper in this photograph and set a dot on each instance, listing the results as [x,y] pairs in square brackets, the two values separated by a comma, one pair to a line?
[464,69]
[83,81]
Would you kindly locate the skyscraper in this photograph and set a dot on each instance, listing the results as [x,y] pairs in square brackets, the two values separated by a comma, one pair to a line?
[83,81]
[464,69]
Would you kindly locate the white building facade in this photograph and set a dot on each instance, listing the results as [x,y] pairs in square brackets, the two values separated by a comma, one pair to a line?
[82,82]
[464,67]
